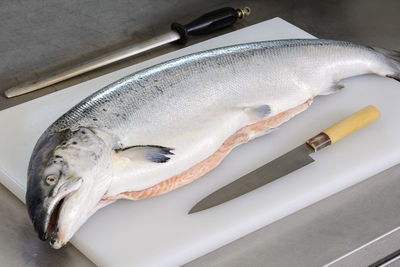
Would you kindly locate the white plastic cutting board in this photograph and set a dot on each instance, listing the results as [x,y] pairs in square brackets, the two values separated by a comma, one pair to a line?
[158,231]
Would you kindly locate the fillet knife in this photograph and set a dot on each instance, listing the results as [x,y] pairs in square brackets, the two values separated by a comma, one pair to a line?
[289,162]
[209,22]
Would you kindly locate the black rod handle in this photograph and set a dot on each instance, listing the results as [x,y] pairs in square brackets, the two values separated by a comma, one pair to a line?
[209,22]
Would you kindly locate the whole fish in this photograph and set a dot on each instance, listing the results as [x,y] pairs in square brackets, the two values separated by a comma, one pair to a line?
[165,126]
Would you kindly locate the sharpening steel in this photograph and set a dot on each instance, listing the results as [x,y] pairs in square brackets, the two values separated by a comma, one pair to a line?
[179,33]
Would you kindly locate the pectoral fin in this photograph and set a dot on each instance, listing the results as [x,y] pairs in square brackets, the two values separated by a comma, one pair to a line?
[158,154]
[259,112]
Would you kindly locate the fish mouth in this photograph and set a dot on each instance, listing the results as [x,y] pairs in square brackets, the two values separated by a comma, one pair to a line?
[52,227]
[45,215]
[48,227]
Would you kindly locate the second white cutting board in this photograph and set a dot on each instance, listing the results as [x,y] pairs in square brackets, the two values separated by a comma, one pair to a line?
[158,231]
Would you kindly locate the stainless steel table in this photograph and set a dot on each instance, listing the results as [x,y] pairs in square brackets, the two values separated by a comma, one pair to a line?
[355,227]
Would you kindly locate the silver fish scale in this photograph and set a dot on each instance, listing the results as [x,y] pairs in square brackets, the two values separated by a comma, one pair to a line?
[115,105]
[190,105]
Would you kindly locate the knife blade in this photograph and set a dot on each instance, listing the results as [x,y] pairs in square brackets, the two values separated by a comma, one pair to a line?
[289,162]
[207,23]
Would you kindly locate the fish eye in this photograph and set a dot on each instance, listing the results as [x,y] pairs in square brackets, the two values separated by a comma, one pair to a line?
[51,179]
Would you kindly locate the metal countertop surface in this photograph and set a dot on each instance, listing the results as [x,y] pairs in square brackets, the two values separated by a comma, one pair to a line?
[38,37]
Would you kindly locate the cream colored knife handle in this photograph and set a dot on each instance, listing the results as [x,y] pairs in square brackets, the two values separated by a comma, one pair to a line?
[343,128]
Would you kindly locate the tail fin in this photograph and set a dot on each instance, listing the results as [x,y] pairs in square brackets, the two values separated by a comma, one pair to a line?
[394,76]
[395,57]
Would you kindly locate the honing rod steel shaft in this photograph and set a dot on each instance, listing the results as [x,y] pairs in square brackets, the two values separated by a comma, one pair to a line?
[207,23]
[91,65]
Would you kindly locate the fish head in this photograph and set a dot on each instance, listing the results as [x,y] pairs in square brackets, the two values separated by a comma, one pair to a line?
[69,172]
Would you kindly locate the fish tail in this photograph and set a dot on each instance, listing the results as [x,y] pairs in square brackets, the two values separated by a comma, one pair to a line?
[394,76]
[394,56]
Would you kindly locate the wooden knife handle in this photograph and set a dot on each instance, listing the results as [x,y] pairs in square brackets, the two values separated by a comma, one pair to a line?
[343,128]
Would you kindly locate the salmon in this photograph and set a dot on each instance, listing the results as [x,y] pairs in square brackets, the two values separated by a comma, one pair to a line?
[165,126]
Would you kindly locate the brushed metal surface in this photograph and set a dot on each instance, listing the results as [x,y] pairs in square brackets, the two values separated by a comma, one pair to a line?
[275,169]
